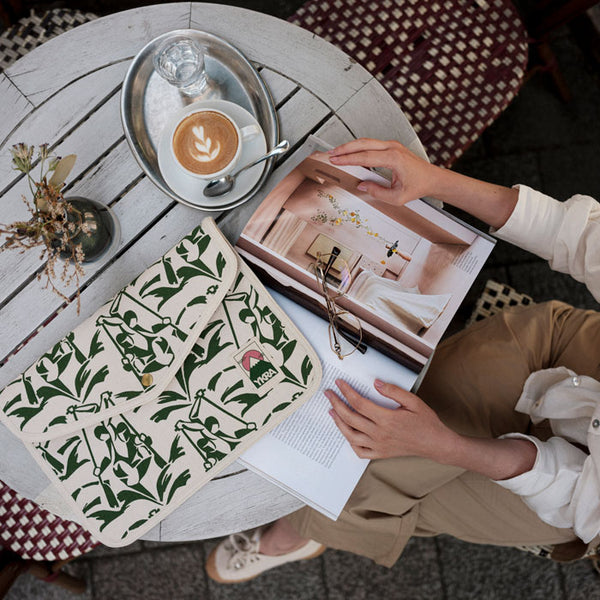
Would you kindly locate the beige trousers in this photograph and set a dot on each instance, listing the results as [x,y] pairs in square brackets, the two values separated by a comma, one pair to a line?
[473,383]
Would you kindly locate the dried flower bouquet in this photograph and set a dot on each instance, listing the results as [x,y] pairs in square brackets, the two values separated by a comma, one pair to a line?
[54,221]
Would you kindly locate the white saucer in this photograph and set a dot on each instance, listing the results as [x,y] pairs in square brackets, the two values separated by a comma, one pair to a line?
[191,189]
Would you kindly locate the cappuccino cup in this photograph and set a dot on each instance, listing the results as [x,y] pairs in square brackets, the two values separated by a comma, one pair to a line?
[207,143]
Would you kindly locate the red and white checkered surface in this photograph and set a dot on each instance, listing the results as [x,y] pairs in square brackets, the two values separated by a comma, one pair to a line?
[452,65]
[36,534]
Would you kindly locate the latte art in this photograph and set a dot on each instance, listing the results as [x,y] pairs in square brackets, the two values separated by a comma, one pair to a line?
[205,142]
[206,152]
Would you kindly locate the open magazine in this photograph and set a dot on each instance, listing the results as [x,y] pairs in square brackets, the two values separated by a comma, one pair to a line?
[404,271]
[410,266]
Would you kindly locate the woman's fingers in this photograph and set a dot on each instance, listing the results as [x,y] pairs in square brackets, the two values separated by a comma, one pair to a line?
[359,145]
[354,436]
[365,158]
[361,405]
[378,191]
[350,417]
[363,452]
[405,399]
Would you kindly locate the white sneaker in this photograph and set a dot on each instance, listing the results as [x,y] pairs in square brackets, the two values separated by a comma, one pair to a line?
[237,558]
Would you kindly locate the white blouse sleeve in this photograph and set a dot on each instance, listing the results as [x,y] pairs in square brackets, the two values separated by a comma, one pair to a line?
[550,487]
[567,234]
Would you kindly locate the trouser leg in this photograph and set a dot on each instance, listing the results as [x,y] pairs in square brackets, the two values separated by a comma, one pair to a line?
[477,375]
[473,383]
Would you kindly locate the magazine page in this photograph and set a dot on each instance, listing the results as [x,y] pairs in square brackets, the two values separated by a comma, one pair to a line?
[403,270]
[307,455]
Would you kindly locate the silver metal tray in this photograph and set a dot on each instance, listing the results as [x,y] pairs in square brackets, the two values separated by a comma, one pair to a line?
[148,102]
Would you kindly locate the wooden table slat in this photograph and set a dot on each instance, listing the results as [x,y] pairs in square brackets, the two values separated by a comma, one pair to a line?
[279,86]
[92,46]
[334,131]
[13,108]
[286,49]
[369,113]
[206,515]
[299,115]
[50,122]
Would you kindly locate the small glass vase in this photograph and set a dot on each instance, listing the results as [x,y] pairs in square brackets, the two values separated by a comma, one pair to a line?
[103,230]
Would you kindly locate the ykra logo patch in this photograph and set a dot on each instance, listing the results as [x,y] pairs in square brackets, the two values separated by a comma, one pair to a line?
[258,366]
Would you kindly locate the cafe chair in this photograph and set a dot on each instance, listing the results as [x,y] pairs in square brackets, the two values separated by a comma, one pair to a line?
[495,298]
[29,32]
[452,65]
[33,540]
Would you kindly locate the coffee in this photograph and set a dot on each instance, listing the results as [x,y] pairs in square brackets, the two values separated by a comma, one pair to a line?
[205,142]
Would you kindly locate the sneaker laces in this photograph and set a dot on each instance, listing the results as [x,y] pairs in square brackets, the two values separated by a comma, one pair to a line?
[242,550]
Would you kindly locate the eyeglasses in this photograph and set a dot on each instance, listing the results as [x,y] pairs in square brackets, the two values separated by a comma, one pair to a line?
[345,330]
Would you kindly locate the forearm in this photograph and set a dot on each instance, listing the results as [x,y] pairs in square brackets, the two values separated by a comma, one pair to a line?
[495,458]
[491,203]
[413,177]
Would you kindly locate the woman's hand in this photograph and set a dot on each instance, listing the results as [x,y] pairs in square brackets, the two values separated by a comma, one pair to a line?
[411,175]
[414,177]
[412,429]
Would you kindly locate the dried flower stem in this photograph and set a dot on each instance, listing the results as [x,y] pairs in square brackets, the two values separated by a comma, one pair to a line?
[54,222]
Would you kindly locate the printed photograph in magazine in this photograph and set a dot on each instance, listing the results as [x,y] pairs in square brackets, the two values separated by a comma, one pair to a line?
[410,266]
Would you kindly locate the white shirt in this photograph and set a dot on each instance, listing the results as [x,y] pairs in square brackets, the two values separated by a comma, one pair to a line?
[563,487]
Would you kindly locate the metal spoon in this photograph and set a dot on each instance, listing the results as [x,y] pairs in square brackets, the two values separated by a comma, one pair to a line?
[220,186]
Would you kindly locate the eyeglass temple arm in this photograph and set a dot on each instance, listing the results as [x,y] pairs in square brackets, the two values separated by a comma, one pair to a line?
[351,337]
[335,252]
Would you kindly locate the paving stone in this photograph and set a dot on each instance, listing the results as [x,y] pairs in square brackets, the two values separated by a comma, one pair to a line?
[176,573]
[572,170]
[582,76]
[542,284]
[582,582]
[415,575]
[151,545]
[476,150]
[348,575]
[477,572]
[28,587]
[102,550]
[506,254]
[301,580]
[539,119]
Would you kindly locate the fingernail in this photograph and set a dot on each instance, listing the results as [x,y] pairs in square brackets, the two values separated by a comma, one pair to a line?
[328,393]
[362,186]
[378,384]
[331,413]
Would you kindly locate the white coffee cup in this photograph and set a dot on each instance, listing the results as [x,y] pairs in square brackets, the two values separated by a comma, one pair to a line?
[207,143]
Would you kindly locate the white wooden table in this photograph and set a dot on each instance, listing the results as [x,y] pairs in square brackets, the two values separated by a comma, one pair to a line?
[67,93]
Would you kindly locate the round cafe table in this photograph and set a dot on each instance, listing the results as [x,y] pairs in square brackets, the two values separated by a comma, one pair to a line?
[67,93]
